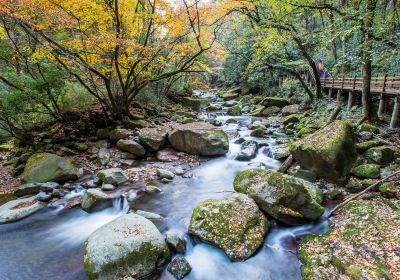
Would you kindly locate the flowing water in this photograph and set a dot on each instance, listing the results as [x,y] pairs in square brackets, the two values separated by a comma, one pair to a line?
[49,244]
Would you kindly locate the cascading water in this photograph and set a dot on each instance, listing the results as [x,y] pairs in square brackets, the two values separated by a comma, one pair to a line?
[49,244]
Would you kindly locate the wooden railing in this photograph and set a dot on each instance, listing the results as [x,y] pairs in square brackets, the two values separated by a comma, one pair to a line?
[386,87]
[379,85]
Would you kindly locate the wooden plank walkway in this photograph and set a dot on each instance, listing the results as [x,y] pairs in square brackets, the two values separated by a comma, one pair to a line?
[386,87]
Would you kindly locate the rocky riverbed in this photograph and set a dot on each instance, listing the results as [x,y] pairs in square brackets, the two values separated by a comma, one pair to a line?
[187,176]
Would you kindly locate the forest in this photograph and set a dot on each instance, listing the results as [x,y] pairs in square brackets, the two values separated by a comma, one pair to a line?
[199,139]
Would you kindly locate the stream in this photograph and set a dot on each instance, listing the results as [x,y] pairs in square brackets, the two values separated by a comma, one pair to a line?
[49,244]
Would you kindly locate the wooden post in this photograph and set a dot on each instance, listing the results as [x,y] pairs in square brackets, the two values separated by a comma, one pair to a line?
[382,99]
[331,89]
[351,95]
[339,94]
[395,114]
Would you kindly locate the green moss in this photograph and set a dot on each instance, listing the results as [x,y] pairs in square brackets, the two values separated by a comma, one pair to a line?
[370,171]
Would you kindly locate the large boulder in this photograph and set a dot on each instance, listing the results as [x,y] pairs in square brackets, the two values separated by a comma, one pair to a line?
[153,138]
[44,167]
[234,224]
[113,176]
[199,138]
[131,146]
[95,200]
[286,198]
[330,152]
[128,247]
[18,209]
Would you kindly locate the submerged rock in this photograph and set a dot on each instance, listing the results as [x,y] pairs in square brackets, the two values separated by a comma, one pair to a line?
[129,246]
[114,176]
[288,199]
[153,138]
[95,200]
[45,167]
[234,224]
[330,152]
[199,138]
[179,267]
[18,209]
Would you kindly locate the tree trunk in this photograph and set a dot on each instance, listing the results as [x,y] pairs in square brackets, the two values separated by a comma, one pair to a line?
[367,60]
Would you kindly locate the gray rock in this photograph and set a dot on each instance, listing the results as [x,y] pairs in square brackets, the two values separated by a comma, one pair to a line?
[90,184]
[49,186]
[57,193]
[118,134]
[132,147]
[114,176]
[248,150]
[162,173]
[286,198]
[179,267]
[129,246]
[107,187]
[149,215]
[44,197]
[200,139]
[26,189]
[103,157]
[152,189]
[18,209]
[132,196]
[45,167]
[175,241]
[179,171]
[95,200]
[153,138]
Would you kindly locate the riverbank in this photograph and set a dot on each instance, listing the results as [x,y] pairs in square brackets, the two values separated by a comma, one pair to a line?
[166,185]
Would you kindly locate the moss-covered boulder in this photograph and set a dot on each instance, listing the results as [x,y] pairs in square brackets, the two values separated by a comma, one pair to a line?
[368,171]
[291,119]
[131,146]
[128,247]
[270,111]
[379,155]
[367,127]
[286,198]
[330,152]
[235,110]
[366,145]
[45,167]
[95,200]
[356,185]
[199,138]
[230,95]
[275,101]
[153,138]
[118,134]
[234,224]
[390,189]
